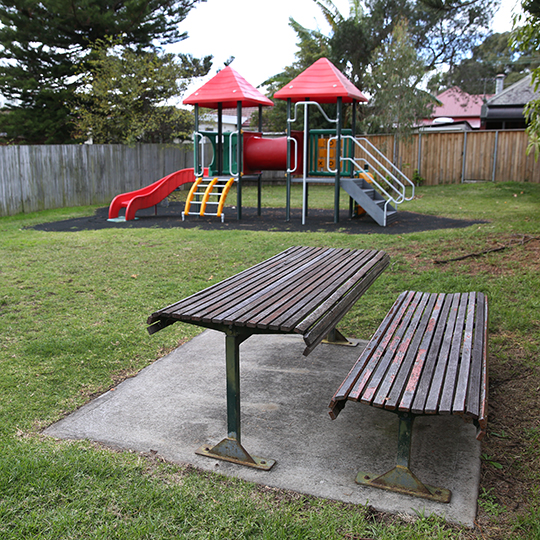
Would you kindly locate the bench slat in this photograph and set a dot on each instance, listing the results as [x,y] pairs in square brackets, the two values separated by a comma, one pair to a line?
[290,319]
[217,301]
[343,303]
[413,375]
[315,315]
[365,376]
[252,292]
[435,390]
[460,397]
[478,353]
[251,306]
[414,359]
[483,416]
[284,284]
[338,401]
[419,404]
[280,315]
[380,370]
[190,304]
[450,379]
[407,348]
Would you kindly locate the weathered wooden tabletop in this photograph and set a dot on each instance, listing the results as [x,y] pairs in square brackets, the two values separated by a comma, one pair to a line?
[303,290]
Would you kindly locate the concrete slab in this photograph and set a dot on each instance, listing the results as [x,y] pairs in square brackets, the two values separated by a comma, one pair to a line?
[178,403]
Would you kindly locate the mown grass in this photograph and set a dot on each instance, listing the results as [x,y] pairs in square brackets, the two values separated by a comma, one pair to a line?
[73,309]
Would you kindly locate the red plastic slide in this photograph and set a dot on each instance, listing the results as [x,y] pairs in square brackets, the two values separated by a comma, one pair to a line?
[150,195]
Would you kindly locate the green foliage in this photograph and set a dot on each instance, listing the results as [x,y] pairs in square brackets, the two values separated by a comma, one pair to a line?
[42,45]
[398,103]
[527,37]
[441,32]
[417,179]
[494,56]
[124,93]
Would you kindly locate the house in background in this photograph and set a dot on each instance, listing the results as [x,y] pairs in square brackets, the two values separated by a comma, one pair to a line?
[505,109]
[458,111]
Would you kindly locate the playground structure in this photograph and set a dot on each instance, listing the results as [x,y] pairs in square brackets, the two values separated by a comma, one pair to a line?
[334,155]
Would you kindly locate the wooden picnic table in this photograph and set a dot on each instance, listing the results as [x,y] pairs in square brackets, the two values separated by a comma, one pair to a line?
[303,290]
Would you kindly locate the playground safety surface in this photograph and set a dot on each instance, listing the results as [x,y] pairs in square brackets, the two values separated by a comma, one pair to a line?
[271,219]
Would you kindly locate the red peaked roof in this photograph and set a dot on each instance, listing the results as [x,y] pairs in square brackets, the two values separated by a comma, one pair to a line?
[321,82]
[227,87]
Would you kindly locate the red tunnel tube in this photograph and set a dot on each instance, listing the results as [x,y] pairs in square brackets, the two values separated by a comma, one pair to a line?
[266,154]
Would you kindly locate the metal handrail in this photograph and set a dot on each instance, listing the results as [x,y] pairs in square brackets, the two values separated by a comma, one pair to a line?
[378,152]
[400,194]
[201,145]
[237,134]
[291,120]
[292,139]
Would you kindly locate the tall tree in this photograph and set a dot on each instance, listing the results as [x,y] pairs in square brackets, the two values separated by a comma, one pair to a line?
[494,56]
[524,38]
[441,31]
[394,82]
[42,43]
[125,94]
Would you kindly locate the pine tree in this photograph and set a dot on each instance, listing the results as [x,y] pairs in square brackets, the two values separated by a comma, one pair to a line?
[42,44]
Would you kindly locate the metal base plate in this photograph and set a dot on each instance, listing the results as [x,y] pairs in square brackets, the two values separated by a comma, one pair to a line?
[232,451]
[337,338]
[402,480]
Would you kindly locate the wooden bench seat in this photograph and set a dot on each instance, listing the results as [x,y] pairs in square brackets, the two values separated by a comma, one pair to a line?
[428,356]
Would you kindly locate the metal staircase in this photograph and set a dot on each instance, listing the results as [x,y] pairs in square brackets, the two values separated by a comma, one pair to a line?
[380,191]
[364,193]
[207,197]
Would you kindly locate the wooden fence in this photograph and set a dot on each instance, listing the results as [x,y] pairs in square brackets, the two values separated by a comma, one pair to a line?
[452,158]
[34,178]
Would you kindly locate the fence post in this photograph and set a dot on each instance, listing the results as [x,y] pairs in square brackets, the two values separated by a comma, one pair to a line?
[464,157]
[495,156]
[419,153]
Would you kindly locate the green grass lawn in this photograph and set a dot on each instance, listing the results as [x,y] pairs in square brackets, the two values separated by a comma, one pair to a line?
[73,309]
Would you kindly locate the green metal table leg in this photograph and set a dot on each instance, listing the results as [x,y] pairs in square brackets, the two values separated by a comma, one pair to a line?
[230,448]
[401,478]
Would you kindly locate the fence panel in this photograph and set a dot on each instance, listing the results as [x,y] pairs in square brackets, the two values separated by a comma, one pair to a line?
[34,178]
[512,160]
[480,155]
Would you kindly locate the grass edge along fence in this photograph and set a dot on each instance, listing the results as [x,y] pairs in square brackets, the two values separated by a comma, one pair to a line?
[34,178]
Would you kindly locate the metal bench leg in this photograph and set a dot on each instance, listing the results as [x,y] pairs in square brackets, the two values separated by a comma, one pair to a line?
[230,448]
[335,337]
[401,478]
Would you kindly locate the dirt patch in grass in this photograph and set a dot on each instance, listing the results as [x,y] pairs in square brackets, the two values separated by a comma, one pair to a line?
[492,254]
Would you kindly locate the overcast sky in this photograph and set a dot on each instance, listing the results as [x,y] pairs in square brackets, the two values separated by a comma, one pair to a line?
[258,35]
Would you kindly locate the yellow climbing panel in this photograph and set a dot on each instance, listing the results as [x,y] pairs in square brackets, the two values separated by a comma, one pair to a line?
[207,195]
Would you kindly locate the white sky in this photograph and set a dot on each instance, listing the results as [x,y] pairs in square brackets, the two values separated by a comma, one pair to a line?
[258,35]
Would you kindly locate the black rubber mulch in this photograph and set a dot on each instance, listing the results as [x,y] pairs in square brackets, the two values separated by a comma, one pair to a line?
[271,219]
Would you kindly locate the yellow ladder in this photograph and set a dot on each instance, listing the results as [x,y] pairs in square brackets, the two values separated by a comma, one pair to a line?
[202,196]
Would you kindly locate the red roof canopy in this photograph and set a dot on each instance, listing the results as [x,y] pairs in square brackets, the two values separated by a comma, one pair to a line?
[321,82]
[227,87]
